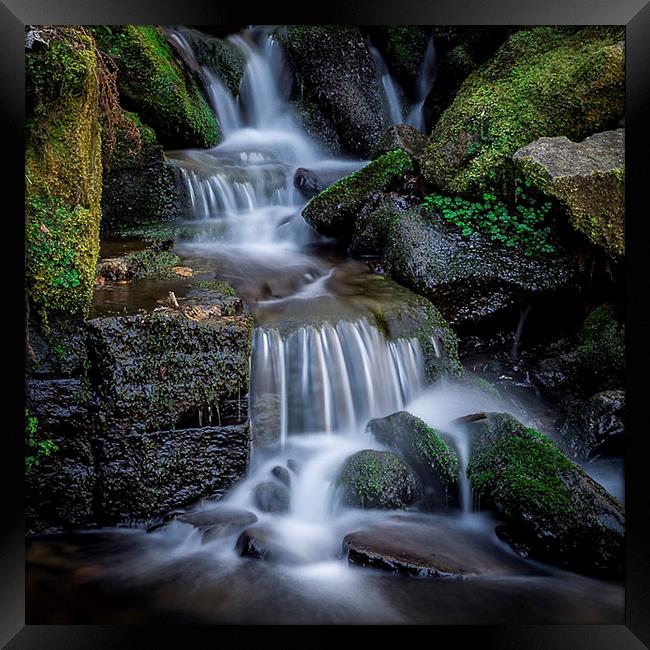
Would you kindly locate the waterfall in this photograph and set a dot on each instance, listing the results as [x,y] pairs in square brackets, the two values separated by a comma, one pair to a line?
[393,94]
[423,86]
[346,372]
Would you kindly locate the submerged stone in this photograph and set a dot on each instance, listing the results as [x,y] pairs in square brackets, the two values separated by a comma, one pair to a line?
[271,497]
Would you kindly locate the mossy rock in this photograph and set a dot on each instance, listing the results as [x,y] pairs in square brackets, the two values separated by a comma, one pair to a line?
[153,83]
[317,125]
[139,187]
[425,450]
[601,348]
[63,172]
[587,178]
[333,211]
[553,509]
[377,480]
[334,70]
[544,81]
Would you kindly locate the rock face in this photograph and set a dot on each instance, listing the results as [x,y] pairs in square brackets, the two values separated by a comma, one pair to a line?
[467,278]
[63,171]
[138,188]
[404,137]
[271,497]
[598,425]
[333,69]
[122,400]
[554,510]
[377,479]
[153,82]
[544,81]
[588,178]
[332,212]
[219,521]
[426,549]
[426,452]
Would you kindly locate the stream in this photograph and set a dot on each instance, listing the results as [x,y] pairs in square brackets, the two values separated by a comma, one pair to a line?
[327,370]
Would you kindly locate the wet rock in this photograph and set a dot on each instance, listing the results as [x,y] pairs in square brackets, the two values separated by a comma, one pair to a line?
[554,511]
[307,182]
[295,466]
[332,212]
[426,452]
[220,521]
[431,549]
[404,137]
[557,375]
[153,368]
[377,479]
[333,69]
[587,178]
[114,268]
[317,125]
[271,497]
[282,474]
[597,427]
[255,543]
[470,278]
[145,474]
[266,420]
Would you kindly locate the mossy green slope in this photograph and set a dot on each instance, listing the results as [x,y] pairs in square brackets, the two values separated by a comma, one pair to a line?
[332,212]
[545,81]
[63,172]
[153,84]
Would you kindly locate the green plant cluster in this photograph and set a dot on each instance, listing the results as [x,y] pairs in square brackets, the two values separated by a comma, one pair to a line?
[36,448]
[522,227]
[601,348]
[152,83]
[151,264]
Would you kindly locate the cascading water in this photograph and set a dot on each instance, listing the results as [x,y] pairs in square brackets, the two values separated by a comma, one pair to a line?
[423,86]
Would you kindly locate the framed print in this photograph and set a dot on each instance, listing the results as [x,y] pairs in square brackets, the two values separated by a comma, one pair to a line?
[330,319]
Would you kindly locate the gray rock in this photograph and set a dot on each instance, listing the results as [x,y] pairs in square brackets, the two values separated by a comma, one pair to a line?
[282,474]
[588,178]
[598,426]
[402,136]
[471,278]
[271,497]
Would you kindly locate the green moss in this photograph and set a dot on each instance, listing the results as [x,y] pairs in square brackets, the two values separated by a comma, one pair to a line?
[601,347]
[376,479]
[63,173]
[217,285]
[151,263]
[152,82]
[332,210]
[37,447]
[522,471]
[403,48]
[546,81]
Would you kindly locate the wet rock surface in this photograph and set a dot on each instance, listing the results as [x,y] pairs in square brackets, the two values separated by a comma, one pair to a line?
[271,497]
[402,136]
[422,549]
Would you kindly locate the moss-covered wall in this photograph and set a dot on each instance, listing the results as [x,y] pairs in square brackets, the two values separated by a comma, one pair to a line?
[63,172]
[153,84]
[545,81]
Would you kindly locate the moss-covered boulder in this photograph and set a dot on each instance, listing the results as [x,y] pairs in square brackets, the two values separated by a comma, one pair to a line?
[467,277]
[376,480]
[544,81]
[426,452]
[553,509]
[333,69]
[63,172]
[139,186]
[587,178]
[153,83]
[601,347]
[333,211]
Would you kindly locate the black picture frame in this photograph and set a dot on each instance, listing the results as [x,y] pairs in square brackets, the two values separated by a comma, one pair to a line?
[634,14]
